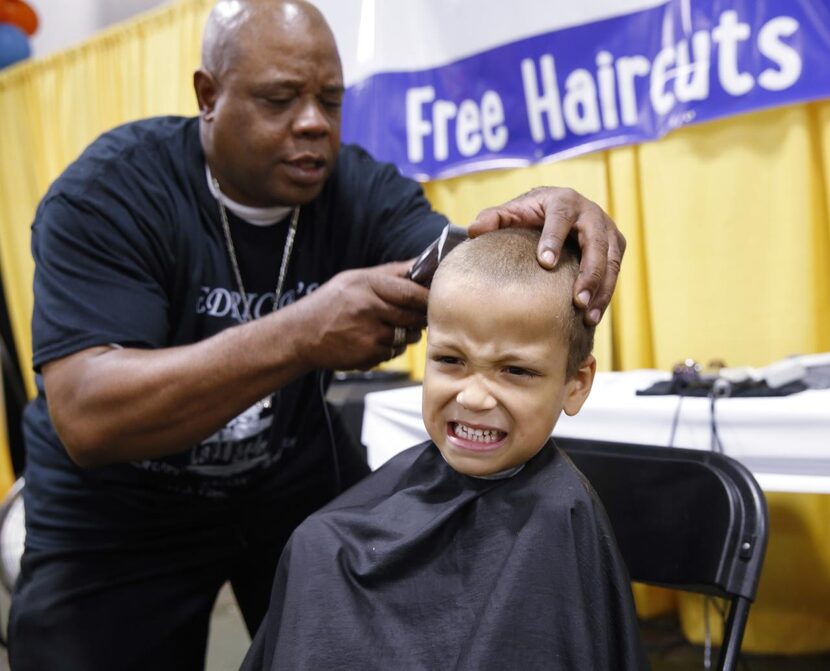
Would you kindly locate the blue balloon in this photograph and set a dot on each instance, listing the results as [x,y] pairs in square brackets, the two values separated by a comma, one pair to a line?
[14,45]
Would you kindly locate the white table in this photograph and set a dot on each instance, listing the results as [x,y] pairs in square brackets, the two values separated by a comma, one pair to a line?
[784,441]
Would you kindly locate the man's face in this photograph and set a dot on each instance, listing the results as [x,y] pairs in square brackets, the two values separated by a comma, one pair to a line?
[274,129]
[494,382]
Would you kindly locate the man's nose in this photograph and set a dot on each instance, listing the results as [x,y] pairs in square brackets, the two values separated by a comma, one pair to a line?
[311,118]
[476,395]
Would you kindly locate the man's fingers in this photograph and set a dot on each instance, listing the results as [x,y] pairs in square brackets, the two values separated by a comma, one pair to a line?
[525,211]
[394,268]
[560,218]
[599,304]
[486,221]
[408,319]
[414,335]
[594,247]
[388,337]
[399,291]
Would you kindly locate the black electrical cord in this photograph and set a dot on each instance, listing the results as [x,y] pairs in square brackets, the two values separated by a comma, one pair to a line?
[714,444]
[338,485]
[675,419]
[720,389]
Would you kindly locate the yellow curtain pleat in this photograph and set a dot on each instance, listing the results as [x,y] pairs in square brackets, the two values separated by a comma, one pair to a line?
[727,226]
[818,173]
[633,345]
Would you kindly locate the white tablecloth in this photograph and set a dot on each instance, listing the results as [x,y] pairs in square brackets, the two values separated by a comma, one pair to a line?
[784,441]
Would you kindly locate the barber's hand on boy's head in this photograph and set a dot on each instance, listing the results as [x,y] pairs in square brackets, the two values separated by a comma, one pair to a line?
[561,211]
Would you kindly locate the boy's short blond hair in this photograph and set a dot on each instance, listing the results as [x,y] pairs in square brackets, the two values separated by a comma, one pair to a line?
[507,257]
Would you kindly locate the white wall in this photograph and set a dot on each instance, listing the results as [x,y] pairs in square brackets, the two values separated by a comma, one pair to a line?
[64,23]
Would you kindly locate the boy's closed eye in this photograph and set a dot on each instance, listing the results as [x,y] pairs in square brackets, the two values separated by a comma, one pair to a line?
[518,371]
[447,359]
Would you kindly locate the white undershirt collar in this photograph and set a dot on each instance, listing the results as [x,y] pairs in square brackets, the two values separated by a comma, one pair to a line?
[258,216]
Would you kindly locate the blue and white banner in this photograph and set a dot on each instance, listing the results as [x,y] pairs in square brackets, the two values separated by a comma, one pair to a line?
[445,87]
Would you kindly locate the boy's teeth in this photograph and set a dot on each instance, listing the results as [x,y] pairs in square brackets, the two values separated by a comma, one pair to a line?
[477,435]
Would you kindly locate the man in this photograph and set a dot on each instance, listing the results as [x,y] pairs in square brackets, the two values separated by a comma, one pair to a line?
[180,432]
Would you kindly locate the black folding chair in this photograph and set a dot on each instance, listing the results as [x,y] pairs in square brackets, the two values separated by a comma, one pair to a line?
[691,520]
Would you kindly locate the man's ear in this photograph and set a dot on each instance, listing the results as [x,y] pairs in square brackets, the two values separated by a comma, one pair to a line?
[579,386]
[207,91]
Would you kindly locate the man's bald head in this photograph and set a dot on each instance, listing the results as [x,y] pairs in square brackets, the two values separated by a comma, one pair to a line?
[231,26]
[506,260]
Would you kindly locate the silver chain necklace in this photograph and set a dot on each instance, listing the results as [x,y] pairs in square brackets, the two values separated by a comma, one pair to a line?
[245,314]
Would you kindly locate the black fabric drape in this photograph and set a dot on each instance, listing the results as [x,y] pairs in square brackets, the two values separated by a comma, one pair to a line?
[420,567]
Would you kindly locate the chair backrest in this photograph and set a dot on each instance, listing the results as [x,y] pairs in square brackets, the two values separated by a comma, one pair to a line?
[688,519]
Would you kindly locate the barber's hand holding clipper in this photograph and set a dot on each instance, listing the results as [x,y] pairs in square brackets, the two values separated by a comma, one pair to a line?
[363,317]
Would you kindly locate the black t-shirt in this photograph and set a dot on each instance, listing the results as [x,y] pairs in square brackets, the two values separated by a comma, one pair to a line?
[129,250]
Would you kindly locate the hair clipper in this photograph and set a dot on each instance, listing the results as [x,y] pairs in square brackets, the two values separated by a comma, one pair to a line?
[426,264]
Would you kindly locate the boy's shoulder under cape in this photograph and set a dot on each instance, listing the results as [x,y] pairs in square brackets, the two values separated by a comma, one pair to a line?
[420,567]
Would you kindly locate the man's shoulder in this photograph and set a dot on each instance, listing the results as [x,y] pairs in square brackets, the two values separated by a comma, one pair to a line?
[148,134]
[355,165]
[134,146]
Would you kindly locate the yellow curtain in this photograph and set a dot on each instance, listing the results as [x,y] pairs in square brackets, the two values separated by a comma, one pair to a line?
[52,108]
[6,472]
[727,226]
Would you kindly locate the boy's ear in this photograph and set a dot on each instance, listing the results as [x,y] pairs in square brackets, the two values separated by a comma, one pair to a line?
[579,386]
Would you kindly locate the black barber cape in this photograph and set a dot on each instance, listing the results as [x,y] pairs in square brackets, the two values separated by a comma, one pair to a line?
[420,567]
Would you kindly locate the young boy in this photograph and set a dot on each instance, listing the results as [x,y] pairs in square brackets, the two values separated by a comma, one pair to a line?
[483,548]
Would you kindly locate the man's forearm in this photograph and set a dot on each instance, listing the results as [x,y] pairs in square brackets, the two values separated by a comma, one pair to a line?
[115,405]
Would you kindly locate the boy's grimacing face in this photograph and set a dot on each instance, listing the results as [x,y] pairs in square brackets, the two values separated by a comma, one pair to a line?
[494,383]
